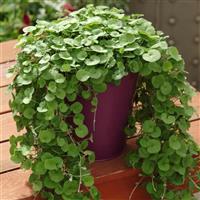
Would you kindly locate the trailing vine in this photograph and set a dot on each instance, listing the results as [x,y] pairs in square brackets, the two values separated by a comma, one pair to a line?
[77,57]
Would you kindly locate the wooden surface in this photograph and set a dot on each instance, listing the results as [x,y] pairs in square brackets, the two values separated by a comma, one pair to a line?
[114,180]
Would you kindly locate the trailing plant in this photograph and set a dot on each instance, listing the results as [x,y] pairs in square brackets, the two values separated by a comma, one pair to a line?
[16,14]
[122,4]
[77,57]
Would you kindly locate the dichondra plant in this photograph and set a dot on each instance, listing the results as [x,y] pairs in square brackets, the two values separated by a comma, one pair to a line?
[77,57]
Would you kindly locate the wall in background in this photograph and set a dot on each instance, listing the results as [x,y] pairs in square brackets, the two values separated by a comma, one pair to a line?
[180,19]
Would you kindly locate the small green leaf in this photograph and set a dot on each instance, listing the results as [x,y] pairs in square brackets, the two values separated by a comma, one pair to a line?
[86,94]
[82,75]
[56,175]
[126,39]
[88,181]
[52,87]
[154,146]
[61,141]
[53,163]
[48,183]
[76,107]
[163,164]
[153,55]
[63,126]
[70,187]
[167,66]
[26,164]
[49,97]
[46,136]
[101,87]
[93,60]
[81,55]
[168,119]
[174,142]
[59,78]
[63,107]
[173,52]
[73,150]
[148,166]
[149,126]
[39,168]
[156,133]
[45,59]
[157,81]
[98,49]
[28,113]
[65,55]
[166,88]
[37,185]
[78,119]
[65,68]
[81,131]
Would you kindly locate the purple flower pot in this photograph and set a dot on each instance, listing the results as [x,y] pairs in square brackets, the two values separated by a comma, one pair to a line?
[113,109]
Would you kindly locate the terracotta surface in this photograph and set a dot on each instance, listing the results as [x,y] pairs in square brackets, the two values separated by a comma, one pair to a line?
[4,80]
[114,180]
[8,127]
[8,51]
[5,96]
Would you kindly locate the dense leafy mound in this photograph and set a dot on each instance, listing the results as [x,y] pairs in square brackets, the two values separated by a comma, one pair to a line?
[79,56]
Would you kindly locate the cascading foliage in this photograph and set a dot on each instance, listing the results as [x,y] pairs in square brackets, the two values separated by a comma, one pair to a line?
[78,56]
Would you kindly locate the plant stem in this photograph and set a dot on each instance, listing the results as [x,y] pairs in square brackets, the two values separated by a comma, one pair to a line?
[194,183]
[136,186]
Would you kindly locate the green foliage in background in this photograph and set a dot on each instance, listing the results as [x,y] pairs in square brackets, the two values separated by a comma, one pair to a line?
[121,4]
[78,56]
[12,13]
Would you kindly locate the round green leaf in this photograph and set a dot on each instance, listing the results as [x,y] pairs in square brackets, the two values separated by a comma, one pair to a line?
[70,187]
[81,131]
[148,166]
[46,136]
[78,119]
[173,52]
[76,107]
[153,55]
[65,68]
[56,175]
[82,75]
[154,146]
[86,94]
[37,186]
[88,181]
[157,81]
[167,66]
[166,88]
[98,49]
[39,168]
[28,113]
[101,87]
[63,126]
[53,163]
[93,60]
[174,142]
[148,126]
[163,164]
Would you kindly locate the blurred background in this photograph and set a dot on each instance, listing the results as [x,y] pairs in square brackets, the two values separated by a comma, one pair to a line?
[180,19]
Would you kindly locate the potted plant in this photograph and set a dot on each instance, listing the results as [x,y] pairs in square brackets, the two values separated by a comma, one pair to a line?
[64,68]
